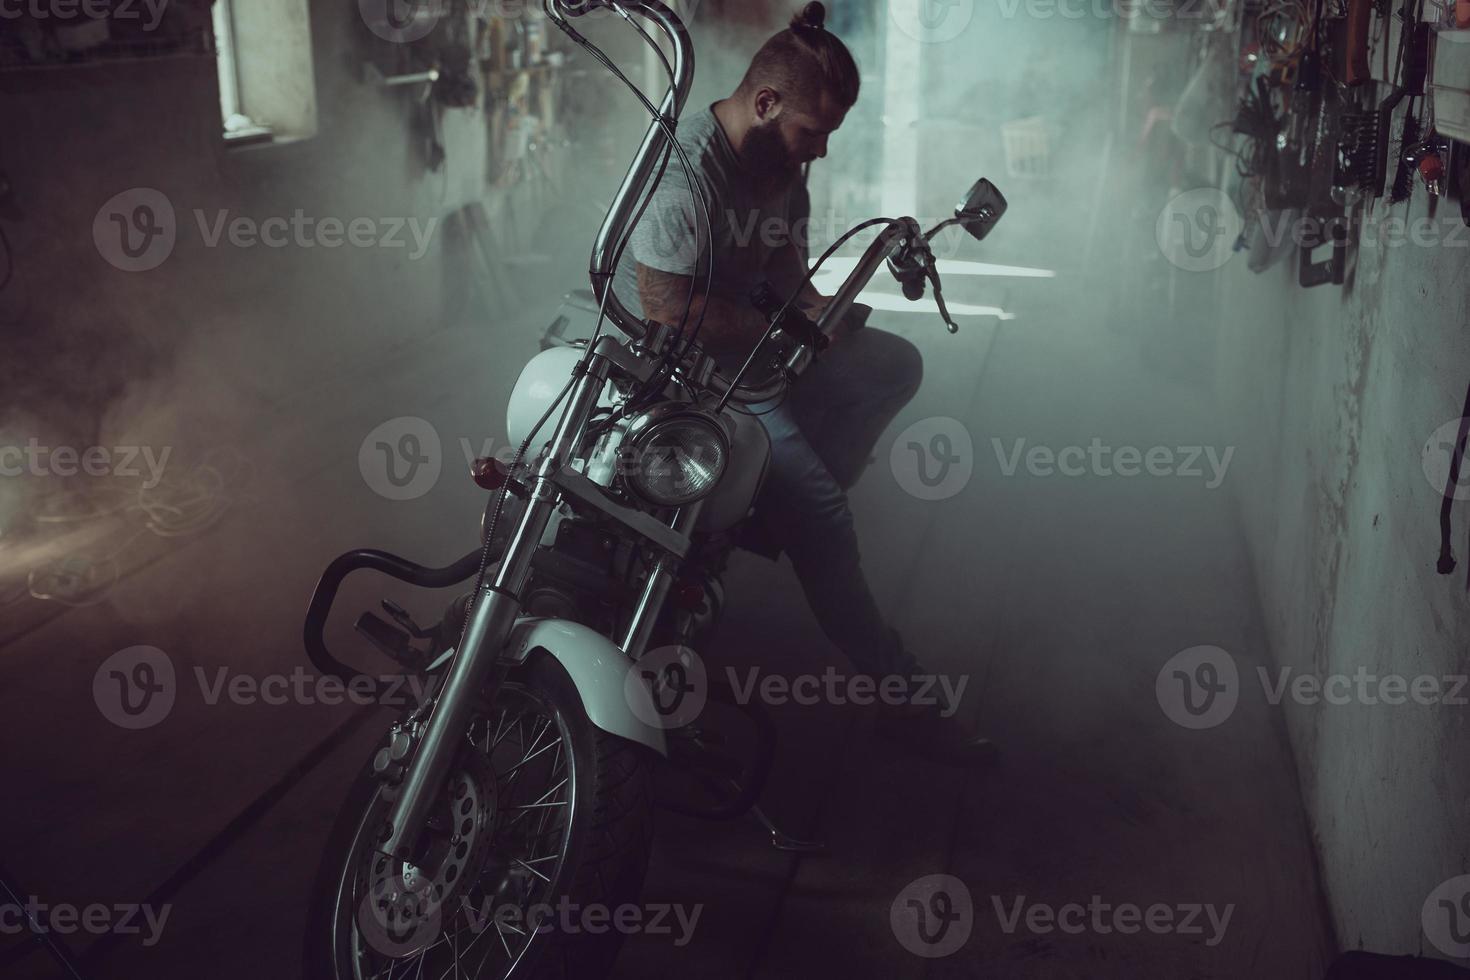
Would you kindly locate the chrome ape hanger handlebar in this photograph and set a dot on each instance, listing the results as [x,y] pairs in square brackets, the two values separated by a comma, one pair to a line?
[656,142]
[978,212]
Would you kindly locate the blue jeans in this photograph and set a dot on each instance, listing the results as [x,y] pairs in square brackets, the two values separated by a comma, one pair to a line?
[821,439]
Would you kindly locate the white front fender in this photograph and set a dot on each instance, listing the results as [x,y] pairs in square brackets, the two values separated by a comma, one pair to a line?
[599,669]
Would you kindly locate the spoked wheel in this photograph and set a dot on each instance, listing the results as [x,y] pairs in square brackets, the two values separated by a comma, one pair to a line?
[542,817]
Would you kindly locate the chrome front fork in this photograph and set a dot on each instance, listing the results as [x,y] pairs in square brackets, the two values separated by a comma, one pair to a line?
[490,622]
[656,589]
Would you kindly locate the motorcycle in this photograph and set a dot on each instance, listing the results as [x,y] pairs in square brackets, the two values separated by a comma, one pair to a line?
[520,781]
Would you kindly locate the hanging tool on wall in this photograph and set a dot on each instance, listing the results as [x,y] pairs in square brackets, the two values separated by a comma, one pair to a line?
[1410,72]
[1403,179]
[1362,160]
[1413,56]
[1427,158]
[1362,154]
[1347,43]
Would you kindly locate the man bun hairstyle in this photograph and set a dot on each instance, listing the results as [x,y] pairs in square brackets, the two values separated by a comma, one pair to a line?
[813,16]
[805,60]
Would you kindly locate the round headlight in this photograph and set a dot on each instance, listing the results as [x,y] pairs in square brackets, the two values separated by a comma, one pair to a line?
[677,460]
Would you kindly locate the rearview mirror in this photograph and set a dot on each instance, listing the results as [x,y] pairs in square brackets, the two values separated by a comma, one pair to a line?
[980,209]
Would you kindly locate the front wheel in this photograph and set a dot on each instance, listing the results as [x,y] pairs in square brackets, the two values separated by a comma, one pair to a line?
[543,817]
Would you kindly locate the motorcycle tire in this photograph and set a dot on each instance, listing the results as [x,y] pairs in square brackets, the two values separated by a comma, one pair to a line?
[357,933]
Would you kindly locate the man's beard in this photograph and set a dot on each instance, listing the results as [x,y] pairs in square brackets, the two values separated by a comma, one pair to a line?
[765,155]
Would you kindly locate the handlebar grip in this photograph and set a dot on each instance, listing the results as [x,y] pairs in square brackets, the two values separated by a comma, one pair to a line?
[799,325]
[764,299]
[794,322]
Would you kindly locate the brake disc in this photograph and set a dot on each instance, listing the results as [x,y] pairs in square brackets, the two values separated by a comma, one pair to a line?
[413,902]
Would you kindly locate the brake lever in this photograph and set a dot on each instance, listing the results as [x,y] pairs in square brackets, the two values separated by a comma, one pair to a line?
[907,266]
[933,274]
[912,274]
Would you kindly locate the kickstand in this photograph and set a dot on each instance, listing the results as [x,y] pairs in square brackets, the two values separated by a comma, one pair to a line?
[780,840]
[747,794]
[40,928]
[783,841]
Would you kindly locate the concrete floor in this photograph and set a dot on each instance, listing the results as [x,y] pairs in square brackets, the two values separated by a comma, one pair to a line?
[1060,598]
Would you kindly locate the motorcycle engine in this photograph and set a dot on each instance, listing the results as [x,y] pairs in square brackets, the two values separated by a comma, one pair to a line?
[574,578]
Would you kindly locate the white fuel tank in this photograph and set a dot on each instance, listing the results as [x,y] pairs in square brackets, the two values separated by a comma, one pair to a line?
[541,380]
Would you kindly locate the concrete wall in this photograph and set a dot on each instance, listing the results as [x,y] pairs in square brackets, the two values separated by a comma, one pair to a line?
[189,349]
[1332,394]
[999,69]
[186,354]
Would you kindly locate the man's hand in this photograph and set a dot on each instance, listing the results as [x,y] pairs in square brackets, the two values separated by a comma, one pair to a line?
[812,303]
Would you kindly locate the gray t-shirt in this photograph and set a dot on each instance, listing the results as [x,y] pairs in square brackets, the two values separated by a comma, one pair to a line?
[746,228]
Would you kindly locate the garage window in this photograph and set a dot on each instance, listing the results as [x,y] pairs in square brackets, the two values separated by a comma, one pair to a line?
[266,86]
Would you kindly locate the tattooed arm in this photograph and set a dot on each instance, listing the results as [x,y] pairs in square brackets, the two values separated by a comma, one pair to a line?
[787,269]
[727,324]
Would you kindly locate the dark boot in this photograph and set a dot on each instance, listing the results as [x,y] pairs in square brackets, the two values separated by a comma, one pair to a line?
[926,732]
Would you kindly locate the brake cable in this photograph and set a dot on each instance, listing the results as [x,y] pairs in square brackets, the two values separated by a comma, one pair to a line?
[781,313]
[674,145]
[699,198]
[1446,563]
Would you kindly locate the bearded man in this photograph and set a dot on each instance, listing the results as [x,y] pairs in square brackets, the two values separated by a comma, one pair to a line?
[747,152]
